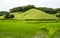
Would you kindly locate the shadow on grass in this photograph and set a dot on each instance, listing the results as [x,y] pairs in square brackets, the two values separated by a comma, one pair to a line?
[42,33]
[56,34]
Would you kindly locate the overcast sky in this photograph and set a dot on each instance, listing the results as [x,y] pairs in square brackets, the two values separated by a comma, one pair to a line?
[5,5]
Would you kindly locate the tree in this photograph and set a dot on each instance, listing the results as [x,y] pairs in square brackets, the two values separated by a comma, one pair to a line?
[21,8]
[47,10]
[3,13]
[9,16]
[57,9]
[58,14]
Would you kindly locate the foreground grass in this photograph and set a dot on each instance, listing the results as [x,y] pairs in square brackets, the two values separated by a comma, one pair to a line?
[24,29]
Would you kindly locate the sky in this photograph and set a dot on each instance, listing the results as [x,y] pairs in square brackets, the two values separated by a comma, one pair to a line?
[5,5]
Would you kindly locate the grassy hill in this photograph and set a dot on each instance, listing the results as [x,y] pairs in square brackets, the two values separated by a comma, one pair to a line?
[34,14]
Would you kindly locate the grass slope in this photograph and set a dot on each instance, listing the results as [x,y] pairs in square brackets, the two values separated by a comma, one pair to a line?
[34,14]
[37,14]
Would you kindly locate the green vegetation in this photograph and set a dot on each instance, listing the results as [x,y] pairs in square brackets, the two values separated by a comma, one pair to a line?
[28,7]
[22,8]
[49,13]
[23,29]
[9,16]
[33,14]
[56,34]
[37,14]
[48,10]
[3,13]
[30,22]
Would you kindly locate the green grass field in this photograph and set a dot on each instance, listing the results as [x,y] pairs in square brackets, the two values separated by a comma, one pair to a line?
[25,29]
[30,24]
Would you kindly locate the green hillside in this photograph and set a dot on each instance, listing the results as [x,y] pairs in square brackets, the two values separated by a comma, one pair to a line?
[34,14]
[37,14]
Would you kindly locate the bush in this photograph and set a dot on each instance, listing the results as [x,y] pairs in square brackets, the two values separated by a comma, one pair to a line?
[58,16]
[12,16]
[8,16]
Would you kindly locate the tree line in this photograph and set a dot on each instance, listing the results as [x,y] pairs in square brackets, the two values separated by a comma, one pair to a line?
[23,9]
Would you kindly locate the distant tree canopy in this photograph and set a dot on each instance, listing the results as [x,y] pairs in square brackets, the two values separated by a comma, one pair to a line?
[22,8]
[25,8]
[47,10]
[58,14]
[57,9]
[3,12]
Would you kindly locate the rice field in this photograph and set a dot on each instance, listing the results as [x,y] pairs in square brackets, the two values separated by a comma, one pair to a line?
[29,29]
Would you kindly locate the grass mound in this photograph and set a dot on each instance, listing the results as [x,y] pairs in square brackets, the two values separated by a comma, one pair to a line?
[34,14]
[37,14]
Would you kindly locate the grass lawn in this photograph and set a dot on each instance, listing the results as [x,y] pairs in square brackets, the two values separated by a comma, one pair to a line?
[24,29]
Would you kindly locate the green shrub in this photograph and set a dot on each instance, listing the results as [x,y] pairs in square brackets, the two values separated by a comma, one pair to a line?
[8,16]
[58,16]
[11,16]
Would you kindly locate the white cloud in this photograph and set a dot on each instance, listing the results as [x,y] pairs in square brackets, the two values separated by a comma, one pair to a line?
[7,4]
